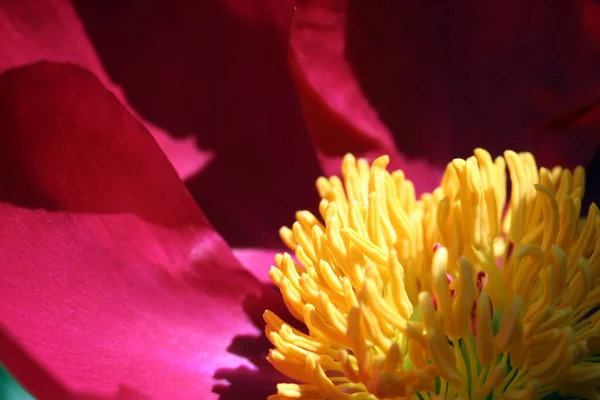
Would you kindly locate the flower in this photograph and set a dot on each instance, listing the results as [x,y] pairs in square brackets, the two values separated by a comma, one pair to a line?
[463,293]
[114,283]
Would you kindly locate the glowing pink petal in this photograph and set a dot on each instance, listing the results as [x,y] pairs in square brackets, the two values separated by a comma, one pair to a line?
[113,283]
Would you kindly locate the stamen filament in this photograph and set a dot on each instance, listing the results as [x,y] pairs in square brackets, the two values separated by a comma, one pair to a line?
[449,296]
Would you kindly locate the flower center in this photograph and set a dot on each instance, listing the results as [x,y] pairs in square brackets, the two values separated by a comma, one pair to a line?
[445,296]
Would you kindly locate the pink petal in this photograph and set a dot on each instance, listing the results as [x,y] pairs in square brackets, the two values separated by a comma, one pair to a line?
[258,261]
[436,80]
[113,283]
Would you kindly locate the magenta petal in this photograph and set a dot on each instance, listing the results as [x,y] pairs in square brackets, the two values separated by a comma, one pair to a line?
[101,302]
[437,80]
[113,283]
[258,261]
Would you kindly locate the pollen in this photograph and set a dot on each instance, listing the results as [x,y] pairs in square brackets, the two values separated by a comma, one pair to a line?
[485,288]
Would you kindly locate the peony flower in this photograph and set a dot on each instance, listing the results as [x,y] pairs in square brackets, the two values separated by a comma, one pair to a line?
[447,296]
[114,284]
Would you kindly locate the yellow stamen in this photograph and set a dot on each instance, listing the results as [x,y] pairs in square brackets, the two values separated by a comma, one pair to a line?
[449,296]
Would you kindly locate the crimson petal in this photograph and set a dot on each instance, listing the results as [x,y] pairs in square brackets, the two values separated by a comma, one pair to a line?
[53,31]
[438,80]
[217,71]
[113,283]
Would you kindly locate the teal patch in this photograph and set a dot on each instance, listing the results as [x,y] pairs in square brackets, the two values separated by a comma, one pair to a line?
[10,389]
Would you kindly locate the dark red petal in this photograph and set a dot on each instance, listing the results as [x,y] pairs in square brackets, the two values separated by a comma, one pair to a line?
[338,116]
[113,283]
[217,71]
[68,144]
[53,31]
[438,80]
[213,74]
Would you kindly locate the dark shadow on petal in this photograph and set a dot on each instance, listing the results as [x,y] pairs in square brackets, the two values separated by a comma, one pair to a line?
[394,51]
[66,144]
[446,79]
[26,371]
[217,70]
[245,383]
[259,381]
